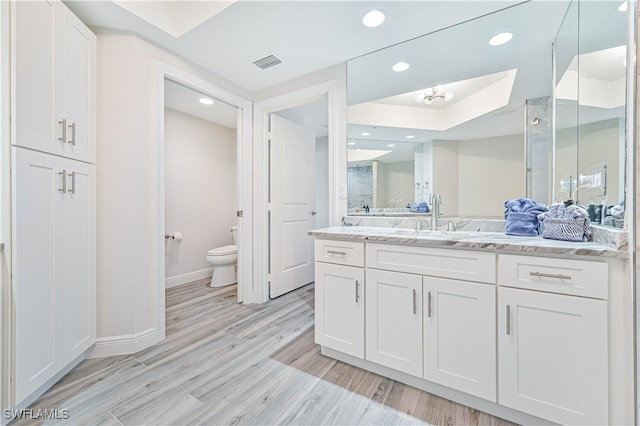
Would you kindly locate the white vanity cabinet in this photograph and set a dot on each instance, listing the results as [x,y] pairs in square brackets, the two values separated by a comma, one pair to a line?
[339,289]
[553,347]
[53,80]
[459,335]
[394,320]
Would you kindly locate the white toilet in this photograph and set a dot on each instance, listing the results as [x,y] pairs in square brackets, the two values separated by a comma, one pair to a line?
[223,259]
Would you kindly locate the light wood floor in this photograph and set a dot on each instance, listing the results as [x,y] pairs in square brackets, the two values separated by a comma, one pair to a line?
[224,363]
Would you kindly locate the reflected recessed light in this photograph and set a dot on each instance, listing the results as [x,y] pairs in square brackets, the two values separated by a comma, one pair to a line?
[400,66]
[351,143]
[391,145]
[206,101]
[373,18]
[364,134]
[623,7]
[501,38]
[410,137]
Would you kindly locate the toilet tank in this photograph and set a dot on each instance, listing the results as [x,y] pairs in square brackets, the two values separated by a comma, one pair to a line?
[234,232]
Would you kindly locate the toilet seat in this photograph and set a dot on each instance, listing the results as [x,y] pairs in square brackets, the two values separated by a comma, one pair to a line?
[222,251]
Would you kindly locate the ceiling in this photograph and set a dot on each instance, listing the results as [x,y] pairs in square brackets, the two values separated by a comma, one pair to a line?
[186,100]
[305,35]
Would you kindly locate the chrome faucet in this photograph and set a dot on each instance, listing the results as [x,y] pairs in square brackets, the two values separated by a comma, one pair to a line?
[436,203]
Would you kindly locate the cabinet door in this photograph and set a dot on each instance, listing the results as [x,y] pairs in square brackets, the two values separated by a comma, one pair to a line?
[37,206]
[38,64]
[340,308]
[76,270]
[394,320]
[459,336]
[79,85]
[553,356]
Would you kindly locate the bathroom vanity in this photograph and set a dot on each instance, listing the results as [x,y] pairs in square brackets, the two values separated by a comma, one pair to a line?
[527,329]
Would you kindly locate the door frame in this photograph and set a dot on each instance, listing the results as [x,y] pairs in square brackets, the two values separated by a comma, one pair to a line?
[337,150]
[244,178]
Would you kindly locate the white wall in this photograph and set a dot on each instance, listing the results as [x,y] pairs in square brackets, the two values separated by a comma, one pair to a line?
[491,171]
[200,193]
[396,181]
[446,176]
[127,187]
[322,182]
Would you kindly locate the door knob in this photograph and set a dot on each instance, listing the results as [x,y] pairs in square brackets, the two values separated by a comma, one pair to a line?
[313,213]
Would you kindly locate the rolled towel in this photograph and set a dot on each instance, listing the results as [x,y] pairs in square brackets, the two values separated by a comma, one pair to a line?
[522,224]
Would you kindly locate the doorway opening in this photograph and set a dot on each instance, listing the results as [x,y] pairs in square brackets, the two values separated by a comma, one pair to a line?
[298,192]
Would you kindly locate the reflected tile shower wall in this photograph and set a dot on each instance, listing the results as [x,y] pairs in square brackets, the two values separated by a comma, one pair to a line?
[360,186]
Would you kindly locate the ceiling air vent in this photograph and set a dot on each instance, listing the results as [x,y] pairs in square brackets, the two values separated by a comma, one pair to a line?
[267,62]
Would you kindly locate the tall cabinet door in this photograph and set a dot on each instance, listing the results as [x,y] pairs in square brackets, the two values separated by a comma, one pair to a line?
[460,339]
[553,356]
[37,205]
[37,64]
[77,270]
[394,320]
[79,81]
[340,308]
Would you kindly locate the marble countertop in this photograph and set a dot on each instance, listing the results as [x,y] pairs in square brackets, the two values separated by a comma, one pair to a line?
[468,239]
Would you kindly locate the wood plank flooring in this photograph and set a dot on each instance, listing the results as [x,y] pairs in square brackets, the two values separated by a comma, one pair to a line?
[223,363]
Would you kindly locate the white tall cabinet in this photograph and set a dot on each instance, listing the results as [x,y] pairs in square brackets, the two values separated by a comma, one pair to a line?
[53,192]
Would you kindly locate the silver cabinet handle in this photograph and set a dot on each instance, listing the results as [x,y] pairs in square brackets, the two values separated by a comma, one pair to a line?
[72,175]
[414,302]
[429,304]
[508,320]
[313,213]
[64,181]
[357,285]
[341,253]
[73,134]
[63,123]
[542,274]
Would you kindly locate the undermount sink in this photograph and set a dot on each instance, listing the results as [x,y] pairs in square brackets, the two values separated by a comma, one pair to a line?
[432,233]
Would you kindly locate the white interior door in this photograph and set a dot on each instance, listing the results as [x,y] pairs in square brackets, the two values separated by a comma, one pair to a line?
[292,201]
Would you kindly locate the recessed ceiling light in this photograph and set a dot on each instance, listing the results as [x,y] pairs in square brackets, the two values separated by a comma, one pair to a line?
[373,18]
[391,145]
[501,38]
[410,137]
[351,143]
[364,134]
[206,101]
[623,7]
[400,66]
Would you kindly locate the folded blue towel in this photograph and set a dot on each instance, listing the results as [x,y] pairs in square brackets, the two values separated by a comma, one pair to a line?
[522,224]
[423,207]
[522,205]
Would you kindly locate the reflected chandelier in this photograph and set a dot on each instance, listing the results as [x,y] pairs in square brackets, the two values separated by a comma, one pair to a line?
[434,93]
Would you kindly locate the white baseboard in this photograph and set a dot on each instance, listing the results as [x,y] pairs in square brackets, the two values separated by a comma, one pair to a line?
[125,345]
[187,278]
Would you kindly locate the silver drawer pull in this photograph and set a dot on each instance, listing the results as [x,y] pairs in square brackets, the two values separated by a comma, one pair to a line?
[340,253]
[357,285]
[414,301]
[429,305]
[508,320]
[542,274]
[63,123]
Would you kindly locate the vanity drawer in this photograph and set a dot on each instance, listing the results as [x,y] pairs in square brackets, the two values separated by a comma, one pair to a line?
[340,252]
[465,265]
[565,276]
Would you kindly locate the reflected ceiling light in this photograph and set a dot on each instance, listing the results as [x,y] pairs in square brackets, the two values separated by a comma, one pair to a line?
[410,137]
[400,66]
[364,134]
[499,39]
[391,145]
[373,18]
[351,143]
[206,101]
[433,93]
[623,7]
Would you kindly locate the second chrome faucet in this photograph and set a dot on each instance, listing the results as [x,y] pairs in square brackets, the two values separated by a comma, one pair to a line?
[436,203]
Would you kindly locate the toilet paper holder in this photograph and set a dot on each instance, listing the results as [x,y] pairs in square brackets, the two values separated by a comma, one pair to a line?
[174,236]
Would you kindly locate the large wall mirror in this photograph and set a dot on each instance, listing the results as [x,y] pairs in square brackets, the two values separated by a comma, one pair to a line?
[472,121]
